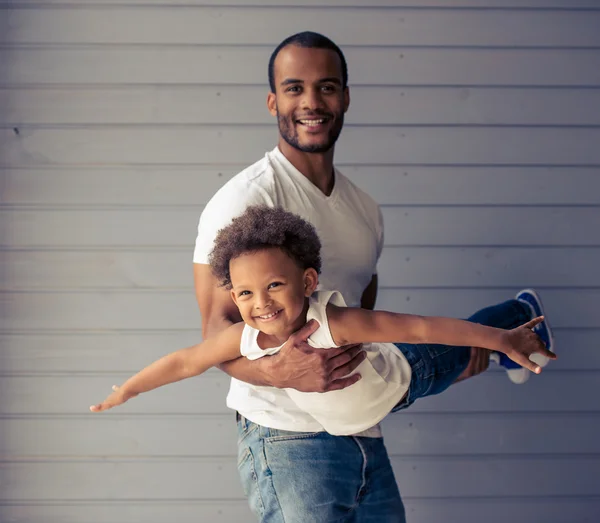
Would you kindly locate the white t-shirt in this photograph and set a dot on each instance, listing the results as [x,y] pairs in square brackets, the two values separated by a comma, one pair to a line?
[385,376]
[350,228]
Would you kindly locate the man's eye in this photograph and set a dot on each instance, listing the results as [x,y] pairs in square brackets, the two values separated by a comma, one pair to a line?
[293,89]
[328,88]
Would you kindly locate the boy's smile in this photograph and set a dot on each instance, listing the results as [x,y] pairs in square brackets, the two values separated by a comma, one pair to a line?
[271,290]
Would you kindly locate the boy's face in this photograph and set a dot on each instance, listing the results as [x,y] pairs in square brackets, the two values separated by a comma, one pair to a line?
[270,290]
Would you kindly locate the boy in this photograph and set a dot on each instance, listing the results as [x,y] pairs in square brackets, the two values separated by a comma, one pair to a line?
[270,260]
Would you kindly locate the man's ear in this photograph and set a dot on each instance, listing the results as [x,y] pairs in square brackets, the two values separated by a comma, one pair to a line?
[272,103]
[311,280]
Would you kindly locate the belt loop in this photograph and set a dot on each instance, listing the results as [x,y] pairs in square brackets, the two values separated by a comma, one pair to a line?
[241,419]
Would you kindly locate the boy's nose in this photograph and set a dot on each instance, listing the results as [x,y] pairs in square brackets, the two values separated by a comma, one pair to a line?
[262,301]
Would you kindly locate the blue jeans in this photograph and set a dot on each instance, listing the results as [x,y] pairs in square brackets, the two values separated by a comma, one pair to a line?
[305,477]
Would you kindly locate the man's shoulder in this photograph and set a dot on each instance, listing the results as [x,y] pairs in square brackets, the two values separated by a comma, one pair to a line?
[255,177]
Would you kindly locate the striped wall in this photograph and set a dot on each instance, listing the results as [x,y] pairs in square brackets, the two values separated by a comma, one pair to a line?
[474,123]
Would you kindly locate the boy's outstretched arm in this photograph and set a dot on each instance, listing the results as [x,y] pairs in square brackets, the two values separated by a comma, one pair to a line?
[177,366]
[353,325]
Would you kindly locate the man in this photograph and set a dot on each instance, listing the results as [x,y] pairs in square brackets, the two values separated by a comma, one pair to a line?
[290,472]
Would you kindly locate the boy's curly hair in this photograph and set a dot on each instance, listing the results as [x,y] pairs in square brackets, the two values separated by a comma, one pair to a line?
[261,227]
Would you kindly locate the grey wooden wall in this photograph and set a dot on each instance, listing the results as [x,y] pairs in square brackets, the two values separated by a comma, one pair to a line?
[475,123]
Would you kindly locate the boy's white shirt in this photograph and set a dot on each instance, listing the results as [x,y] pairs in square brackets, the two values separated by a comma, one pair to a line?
[385,377]
[350,227]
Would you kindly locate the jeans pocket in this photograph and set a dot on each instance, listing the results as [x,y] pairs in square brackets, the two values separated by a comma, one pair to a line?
[247,472]
[284,435]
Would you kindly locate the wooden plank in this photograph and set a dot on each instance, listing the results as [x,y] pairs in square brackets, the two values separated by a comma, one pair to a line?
[224,104]
[405,226]
[247,65]
[447,4]
[388,185]
[129,351]
[150,511]
[217,478]
[419,267]
[492,392]
[549,509]
[406,434]
[98,310]
[32,147]
[253,26]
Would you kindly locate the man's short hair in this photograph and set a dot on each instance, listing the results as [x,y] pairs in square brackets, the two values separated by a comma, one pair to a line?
[261,227]
[311,40]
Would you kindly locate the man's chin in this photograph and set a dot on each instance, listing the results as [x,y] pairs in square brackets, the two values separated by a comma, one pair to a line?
[314,147]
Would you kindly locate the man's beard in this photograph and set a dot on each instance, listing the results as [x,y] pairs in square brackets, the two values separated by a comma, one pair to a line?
[288,131]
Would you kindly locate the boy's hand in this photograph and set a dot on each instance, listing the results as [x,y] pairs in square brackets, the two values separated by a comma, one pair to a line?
[522,342]
[116,398]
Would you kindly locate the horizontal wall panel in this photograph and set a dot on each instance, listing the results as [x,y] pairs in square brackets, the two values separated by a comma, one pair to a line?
[480,4]
[30,147]
[428,267]
[148,511]
[252,26]
[406,434]
[99,310]
[416,226]
[492,392]
[248,65]
[466,510]
[217,478]
[128,352]
[222,104]
[388,185]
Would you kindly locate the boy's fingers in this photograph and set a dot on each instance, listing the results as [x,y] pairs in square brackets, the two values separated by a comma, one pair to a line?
[532,323]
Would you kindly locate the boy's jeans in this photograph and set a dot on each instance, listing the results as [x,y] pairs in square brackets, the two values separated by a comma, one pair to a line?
[300,477]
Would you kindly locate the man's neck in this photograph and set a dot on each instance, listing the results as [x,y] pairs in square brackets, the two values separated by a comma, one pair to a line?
[316,167]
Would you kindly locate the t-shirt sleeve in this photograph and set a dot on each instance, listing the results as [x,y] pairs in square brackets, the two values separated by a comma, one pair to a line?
[229,202]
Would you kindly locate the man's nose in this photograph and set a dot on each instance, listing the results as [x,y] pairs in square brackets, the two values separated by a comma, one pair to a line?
[312,99]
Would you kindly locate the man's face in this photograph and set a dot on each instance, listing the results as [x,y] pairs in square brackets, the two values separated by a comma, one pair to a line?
[309,99]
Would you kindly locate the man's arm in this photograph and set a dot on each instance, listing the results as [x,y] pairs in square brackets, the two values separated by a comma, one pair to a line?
[297,365]
[369,296]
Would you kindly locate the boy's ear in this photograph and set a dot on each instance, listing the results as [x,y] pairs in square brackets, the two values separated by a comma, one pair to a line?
[311,280]
[233,297]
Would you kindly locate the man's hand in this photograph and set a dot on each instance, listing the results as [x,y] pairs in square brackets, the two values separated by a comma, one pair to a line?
[118,397]
[522,342]
[307,369]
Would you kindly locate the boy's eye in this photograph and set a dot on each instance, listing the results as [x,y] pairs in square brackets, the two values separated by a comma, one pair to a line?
[244,293]
[275,284]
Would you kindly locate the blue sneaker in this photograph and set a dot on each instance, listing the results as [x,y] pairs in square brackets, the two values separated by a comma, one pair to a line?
[516,373]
